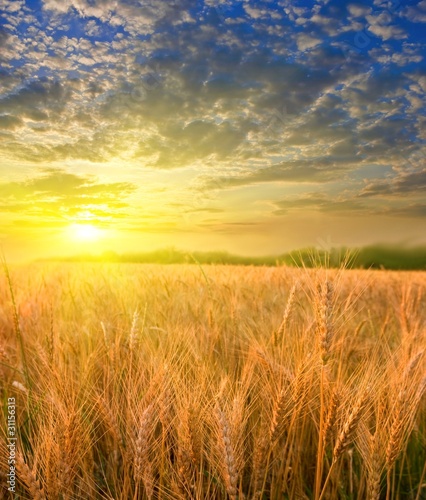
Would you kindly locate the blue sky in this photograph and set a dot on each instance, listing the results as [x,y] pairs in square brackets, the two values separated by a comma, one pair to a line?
[249,126]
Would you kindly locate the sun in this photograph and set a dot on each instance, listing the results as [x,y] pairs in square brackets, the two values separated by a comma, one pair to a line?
[85,232]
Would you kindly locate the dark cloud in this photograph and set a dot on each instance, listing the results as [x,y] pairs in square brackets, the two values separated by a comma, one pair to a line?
[9,122]
[403,184]
[36,99]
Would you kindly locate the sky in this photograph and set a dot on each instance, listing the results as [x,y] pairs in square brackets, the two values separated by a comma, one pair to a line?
[255,127]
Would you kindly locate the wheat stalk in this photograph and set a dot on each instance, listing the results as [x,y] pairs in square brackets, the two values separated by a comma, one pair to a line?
[323,306]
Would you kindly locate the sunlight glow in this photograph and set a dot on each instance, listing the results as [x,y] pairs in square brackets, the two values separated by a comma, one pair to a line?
[85,232]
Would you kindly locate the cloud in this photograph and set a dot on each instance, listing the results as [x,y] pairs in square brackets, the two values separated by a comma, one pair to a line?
[401,184]
[36,99]
[415,13]
[60,195]
[248,93]
[411,210]
[305,41]
[256,13]
[302,171]
[319,202]
[358,10]
[388,32]
[134,17]
[9,122]
[227,227]
[11,6]
[348,204]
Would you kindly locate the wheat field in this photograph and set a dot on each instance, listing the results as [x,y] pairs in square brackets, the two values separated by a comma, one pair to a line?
[139,381]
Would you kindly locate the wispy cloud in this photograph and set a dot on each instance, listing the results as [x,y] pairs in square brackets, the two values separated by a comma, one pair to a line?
[62,196]
[322,203]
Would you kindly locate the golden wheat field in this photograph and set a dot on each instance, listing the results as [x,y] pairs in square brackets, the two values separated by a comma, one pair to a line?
[131,381]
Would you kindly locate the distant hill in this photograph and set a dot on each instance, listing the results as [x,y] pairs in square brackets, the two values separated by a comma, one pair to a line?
[374,256]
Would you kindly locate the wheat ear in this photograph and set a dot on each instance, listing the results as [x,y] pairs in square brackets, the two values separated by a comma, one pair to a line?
[375,466]
[142,464]
[229,469]
[29,479]
[288,308]
[259,463]
[406,409]
[278,416]
[349,426]
[324,319]
[330,419]
[67,456]
[185,454]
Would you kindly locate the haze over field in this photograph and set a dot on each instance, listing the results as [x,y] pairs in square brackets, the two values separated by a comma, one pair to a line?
[249,126]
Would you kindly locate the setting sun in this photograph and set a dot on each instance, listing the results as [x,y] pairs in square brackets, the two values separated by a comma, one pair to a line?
[85,232]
